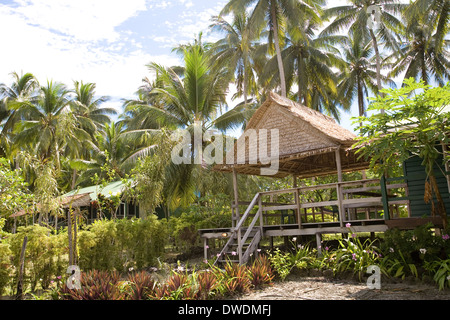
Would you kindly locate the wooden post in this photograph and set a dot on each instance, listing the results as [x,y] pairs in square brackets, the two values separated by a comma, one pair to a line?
[384,197]
[69,234]
[339,189]
[236,199]
[236,194]
[319,244]
[19,293]
[297,201]
[205,248]
[338,164]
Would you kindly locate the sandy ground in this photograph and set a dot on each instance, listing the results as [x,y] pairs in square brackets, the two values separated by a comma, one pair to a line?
[321,288]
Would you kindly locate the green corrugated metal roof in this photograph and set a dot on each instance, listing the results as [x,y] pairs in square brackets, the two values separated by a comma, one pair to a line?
[107,191]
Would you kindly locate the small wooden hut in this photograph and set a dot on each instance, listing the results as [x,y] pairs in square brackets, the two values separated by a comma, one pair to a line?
[293,140]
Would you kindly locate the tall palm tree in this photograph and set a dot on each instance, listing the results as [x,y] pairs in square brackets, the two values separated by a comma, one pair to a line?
[355,17]
[359,76]
[109,155]
[88,109]
[234,52]
[420,57]
[272,13]
[23,88]
[47,126]
[191,95]
[309,61]
[90,116]
[432,13]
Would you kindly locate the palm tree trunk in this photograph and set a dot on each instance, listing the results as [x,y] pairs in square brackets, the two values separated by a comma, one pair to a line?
[74,178]
[273,14]
[377,57]
[244,85]
[300,92]
[424,68]
[360,101]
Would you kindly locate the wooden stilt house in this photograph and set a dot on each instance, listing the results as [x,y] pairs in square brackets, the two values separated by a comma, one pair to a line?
[293,140]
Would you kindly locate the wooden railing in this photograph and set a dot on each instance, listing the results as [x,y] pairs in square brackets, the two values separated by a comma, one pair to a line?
[350,196]
[350,199]
[253,230]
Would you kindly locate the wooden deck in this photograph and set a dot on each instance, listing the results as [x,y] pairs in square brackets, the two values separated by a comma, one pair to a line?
[309,210]
[368,205]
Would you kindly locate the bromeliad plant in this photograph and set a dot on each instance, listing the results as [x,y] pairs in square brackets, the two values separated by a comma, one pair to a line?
[95,285]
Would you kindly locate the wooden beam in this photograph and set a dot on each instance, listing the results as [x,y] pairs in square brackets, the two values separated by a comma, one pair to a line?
[236,194]
[338,164]
[339,188]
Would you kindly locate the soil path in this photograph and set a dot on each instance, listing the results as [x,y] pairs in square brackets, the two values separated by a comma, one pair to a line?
[321,288]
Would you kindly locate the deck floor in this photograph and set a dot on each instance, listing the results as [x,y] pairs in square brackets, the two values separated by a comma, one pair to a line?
[373,225]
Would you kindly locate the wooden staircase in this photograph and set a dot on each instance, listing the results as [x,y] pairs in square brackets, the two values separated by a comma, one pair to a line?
[244,240]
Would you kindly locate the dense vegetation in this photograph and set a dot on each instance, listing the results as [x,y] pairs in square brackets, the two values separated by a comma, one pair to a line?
[55,137]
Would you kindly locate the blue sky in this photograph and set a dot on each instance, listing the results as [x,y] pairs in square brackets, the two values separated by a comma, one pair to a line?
[107,42]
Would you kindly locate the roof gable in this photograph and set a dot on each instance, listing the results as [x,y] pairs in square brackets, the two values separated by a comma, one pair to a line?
[323,123]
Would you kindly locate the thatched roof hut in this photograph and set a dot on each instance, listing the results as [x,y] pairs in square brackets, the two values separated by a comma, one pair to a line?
[309,142]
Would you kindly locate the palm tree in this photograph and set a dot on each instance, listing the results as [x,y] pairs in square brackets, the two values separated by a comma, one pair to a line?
[234,52]
[47,127]
[359,76]
[90,116]
[432,13]
[420,56]
[88,109]
[355,17]
[109,155]
[272,13]
[190,97]
[309,61]
[23,88]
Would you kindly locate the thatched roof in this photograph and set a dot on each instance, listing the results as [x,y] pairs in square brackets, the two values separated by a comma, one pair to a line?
[308,140]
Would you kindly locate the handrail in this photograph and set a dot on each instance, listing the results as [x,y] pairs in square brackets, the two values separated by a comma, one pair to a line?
[320,186]
[246,213]
[250,227]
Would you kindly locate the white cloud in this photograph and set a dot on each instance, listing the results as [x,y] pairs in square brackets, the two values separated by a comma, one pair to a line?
[117,67]
[83,19]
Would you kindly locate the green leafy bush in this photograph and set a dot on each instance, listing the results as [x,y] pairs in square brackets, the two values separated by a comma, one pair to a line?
[5,258]
[122,244]
[281,262]
[354,255]
[44,255]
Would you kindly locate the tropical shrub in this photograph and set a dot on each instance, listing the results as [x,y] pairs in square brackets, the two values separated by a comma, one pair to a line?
[141,286]
[441,271]
[208,284]
[281,262]
[95,285]
[122,244]
[5,266]
[98,247]
[261,272]
[354,255]
[5,261]
[237,280]
[44,254]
